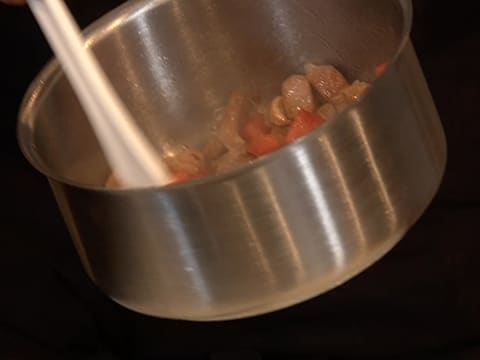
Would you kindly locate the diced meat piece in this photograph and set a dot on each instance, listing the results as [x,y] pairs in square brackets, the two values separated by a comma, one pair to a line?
[228,132]
[327,111]
[214,149]
[355,91]
[187,161]
[263,144]
[112,182]
[254,127]
[340,102]
[326,79]
[349,95]
[297,95]
[303,124]
[278,116]
[241,137]
[230,161]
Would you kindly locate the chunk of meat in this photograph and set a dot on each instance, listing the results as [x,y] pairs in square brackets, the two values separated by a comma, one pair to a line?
[339,102]
[214,149]
[303,124]
[229,128]
[326,79]
[327,111]
[241,137]
[278,116]
[230,161]
[349,95]
[186,160]
[355,91]
[297,95]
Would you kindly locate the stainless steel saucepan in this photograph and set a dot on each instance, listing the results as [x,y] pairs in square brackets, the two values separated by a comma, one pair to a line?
[271,234]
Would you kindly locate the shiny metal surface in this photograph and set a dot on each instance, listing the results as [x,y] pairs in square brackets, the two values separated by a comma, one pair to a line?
[269,235]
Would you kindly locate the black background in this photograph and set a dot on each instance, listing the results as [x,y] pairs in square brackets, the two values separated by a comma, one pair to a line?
[421,301]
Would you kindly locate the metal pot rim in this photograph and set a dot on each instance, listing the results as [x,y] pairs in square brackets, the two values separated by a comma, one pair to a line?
[97,31]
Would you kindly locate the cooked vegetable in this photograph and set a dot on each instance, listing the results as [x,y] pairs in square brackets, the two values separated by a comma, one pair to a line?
[380,69]
[263,144]
[251,129]
[254,127]
[303,124]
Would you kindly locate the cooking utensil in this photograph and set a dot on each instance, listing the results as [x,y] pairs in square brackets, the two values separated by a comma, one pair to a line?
[133,159]
[286,228]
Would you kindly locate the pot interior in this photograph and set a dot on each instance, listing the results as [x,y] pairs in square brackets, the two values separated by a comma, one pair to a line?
[175,63]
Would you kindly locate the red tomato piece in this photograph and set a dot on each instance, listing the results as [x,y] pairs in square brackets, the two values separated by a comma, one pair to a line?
[303,124]
[263,144]
[254,127]
[181,177]
[184,176]
[280,133]
[380,69]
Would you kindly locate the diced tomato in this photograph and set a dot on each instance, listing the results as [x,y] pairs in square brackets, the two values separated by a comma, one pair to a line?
[380,69]
[280,133]
[304,123]
[263,144]
[180,177]
[254,127]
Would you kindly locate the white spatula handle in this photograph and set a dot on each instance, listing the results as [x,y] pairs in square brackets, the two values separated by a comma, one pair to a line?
[132,158]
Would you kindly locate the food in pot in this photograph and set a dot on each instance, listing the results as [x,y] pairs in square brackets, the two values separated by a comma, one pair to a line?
[297,95]
[326,79]
[248,130]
